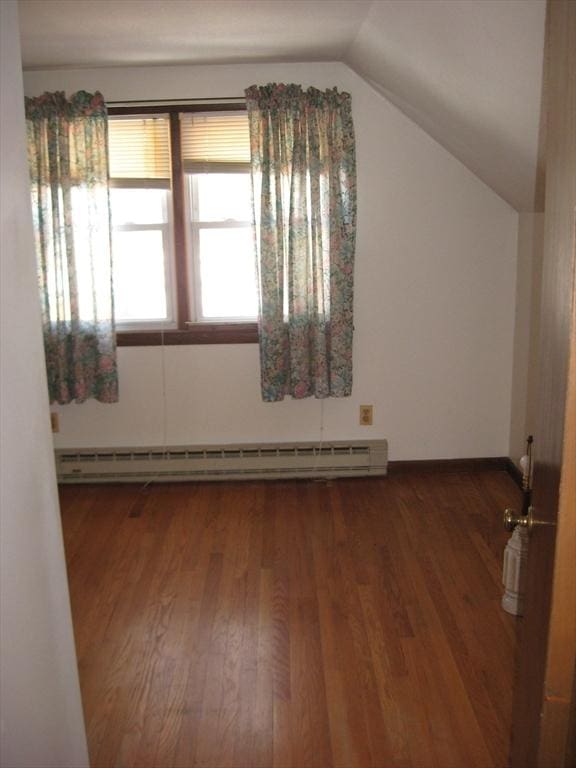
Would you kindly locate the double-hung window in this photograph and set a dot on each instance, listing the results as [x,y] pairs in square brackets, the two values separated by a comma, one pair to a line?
[184,266]
[216,163]
[141,203]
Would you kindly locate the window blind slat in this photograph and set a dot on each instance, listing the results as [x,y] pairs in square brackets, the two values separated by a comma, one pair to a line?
[139,147]
[215,141]
[191,166]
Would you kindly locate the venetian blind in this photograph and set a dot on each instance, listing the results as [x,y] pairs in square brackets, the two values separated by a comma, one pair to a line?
[215,142]
[139,148]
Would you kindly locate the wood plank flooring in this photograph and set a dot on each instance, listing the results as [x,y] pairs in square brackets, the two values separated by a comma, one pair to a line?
[353,623]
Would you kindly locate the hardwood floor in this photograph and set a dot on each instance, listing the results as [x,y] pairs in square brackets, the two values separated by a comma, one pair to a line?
[354,623]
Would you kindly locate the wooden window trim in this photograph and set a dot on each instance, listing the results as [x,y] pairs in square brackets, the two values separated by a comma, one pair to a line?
[186,333]
[198,333]
[179,224]
[176,109]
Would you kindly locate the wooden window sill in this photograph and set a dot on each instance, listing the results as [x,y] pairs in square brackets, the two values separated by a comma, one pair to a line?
[201,333]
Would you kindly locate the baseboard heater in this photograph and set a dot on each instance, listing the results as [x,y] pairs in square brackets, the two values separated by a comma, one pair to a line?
[223,462]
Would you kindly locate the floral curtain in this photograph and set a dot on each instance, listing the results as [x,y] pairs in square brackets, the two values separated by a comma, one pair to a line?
[304,199]
[68,162]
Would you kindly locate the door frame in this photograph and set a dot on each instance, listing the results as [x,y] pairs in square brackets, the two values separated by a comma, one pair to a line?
[544,719]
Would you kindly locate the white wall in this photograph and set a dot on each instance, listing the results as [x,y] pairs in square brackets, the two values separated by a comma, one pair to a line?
[434,300]
[40,710]
[525,369]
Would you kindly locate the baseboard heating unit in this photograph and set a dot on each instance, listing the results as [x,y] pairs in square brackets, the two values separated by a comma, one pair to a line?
[272,461]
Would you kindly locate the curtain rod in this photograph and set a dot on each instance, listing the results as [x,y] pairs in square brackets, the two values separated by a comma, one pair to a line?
[154,102]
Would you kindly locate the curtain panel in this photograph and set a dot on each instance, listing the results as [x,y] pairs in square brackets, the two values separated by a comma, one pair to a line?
[304,200]
[68,163]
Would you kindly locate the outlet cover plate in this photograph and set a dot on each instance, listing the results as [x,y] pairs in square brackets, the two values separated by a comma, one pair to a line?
[366,415]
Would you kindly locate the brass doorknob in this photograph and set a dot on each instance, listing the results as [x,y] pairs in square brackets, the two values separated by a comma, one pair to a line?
[529,521]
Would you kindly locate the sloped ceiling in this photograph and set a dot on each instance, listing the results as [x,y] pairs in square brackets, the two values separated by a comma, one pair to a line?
[469,72]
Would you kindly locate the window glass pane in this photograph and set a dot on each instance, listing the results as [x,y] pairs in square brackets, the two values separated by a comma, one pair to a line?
[138,206]
[139,278]
[227,273]
[224,196]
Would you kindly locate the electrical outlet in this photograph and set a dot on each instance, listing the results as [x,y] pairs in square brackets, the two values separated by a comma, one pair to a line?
[55,422]
[366,415]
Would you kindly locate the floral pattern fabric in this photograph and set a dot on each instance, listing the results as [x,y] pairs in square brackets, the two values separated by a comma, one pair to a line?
[304,200]
[68,163]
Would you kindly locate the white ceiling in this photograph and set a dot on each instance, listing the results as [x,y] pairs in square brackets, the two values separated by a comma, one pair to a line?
[61,33]
[468,71]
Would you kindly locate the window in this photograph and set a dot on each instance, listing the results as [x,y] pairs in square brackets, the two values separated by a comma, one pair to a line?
[184,267]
